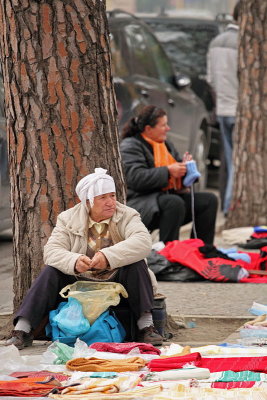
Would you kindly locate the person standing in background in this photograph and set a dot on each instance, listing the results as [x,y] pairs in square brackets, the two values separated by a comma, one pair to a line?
[222,63]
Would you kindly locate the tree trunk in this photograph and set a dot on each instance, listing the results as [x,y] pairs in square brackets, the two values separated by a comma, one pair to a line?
[249,205]
[60,109]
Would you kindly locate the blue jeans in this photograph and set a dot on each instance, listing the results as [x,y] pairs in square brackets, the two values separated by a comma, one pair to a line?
[227,125]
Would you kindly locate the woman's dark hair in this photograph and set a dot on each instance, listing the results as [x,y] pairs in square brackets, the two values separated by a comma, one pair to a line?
[236,11]
[149,115]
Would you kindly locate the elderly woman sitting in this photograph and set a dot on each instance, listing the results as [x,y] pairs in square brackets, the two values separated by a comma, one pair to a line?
[99,239]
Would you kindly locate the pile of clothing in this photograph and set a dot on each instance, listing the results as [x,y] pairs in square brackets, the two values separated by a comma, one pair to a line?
[192,259]
[139,370]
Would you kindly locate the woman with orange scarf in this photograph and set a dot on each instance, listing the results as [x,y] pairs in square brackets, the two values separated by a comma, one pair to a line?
[154,174]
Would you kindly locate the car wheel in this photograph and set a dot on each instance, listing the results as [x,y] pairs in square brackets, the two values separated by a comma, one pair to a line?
[200,156]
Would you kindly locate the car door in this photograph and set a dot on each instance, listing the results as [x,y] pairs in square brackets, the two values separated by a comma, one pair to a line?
[144,75]
[182,104]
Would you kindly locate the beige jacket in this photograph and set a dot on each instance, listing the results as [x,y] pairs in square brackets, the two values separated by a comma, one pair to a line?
[69,239]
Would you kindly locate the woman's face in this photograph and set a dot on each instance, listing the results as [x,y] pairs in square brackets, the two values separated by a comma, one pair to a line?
[158,133]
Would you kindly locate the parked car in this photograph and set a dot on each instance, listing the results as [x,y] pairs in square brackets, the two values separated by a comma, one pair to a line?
[5,215]
[186,38]
[144,74]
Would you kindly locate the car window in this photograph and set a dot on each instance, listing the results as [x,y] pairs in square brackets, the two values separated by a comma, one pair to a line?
[119,67]
[185,44]
[161,61]
[140,56]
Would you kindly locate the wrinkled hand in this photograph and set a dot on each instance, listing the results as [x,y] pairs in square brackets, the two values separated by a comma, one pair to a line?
[177,169]
[83,264]
[99,261]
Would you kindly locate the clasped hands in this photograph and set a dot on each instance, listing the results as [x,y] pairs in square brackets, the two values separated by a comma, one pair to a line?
[84,263]
[178,169]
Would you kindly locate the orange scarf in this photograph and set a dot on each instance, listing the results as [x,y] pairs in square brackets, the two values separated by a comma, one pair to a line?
[163,158]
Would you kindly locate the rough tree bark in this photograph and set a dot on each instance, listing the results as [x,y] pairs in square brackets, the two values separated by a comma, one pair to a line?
[61,117]
[249,205]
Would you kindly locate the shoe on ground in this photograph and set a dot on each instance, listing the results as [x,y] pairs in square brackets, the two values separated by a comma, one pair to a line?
[20,339]
[150,335]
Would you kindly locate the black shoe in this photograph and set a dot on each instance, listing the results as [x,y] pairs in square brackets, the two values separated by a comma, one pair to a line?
[20,339]
[150,335]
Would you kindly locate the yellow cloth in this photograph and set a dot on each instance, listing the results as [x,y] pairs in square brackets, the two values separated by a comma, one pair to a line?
[98,364]
[186,350]
[163,158]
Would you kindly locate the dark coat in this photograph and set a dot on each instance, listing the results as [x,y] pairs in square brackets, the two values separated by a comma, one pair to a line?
[144,181]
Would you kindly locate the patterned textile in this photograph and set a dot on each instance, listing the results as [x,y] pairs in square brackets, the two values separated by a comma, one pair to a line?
[98,238]
[231,376]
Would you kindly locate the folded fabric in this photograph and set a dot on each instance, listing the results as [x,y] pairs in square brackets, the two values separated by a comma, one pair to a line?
[162,364]
[196,393]
[98,364]
[125,348]
[233,236]
[258,309]
[27,387]
[135,393]
[37,374]
[178,374]
[232,385]
[236,364]
[241,376]
[186,350]
[101,385]
[260,229]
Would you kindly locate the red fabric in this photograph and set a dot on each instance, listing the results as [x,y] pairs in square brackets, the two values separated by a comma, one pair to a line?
[215,269]
[259,235]
[236,364]
[26,387]
[35,374]
[125,348]
[186,252]
[232,385]
[162,364]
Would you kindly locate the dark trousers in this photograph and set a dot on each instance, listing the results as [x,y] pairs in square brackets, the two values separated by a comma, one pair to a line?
[175,211]
[43,296]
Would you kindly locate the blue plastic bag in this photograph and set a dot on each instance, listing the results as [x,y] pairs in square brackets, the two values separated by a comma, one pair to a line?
[70,318]
[106,328]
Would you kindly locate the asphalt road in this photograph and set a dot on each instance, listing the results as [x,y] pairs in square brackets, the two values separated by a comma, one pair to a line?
[190,298]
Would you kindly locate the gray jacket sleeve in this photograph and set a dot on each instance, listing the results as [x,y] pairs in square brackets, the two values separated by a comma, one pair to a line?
[141,174]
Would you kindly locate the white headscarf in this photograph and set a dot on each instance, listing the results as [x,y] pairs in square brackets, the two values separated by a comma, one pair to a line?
[95,184]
